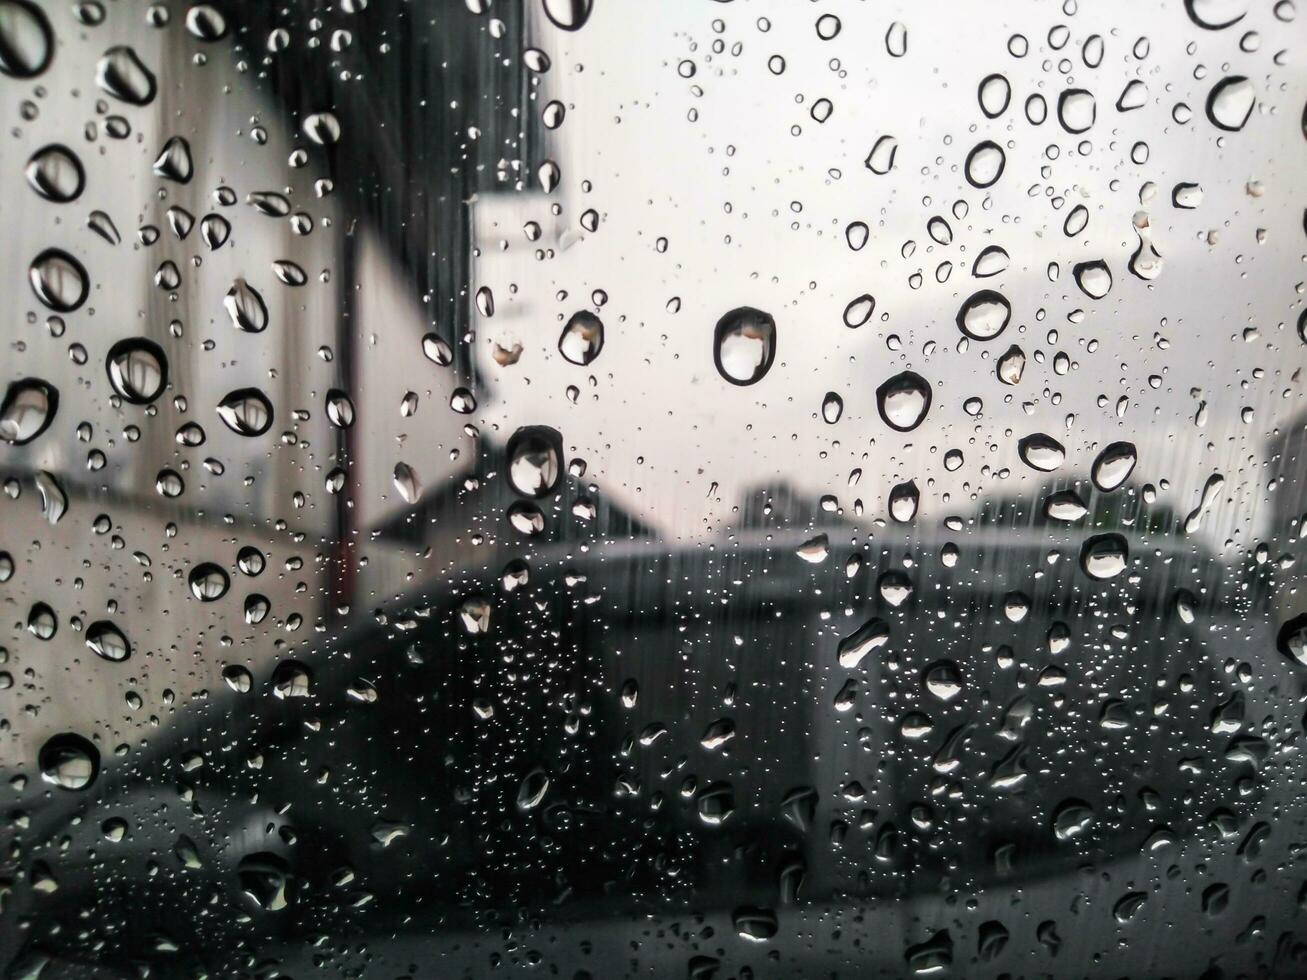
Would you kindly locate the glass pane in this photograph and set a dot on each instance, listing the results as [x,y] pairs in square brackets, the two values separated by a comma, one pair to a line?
[595,489]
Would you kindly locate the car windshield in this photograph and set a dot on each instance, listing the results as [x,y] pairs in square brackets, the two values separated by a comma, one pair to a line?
[608,489]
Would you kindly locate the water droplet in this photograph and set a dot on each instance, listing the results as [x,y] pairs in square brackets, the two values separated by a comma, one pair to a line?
[1093,277]
[896,40]
[1076,110]
[832,407]
[1231,102]
[984,315]
[1104,556]
[108,641]
[28,409]
[174,161]
[744,345]
[103,225]
[121,74]
[815,550]
[859,311]
[1187,195]
[208,582]
[881,158]
[407,483]
[246,308]
[340,410]
[943,679]
[205,22]
[42,622]
[322,127]
[1012,365]
[535,460]
[1291,640]
[1113,466]
[1065,505]
[58,280]
[474,616]
[871,635]
[215,230]
[55,172]
[1041,452]
[436,350]
[1071,819]
[582,338]
[755,924]
[568,15]
[69,761]
[26,42]
[985,164]
[1215,15]
[264,880]
[904,498]
[246,411]
[994,95]
[903,401]
[54,501]
[138,370]
[992,260]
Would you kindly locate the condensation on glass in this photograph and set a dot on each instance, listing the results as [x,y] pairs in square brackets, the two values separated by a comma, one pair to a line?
[599,488]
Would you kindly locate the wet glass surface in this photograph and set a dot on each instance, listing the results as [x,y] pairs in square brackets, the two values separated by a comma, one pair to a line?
[619,489]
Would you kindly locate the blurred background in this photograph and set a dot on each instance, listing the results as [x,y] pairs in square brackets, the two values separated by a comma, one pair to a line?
[400,581]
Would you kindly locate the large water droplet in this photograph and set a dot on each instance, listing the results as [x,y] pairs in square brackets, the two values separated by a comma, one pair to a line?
[992,260]
[206,22]
[208,582]
[1071,819]
[138,370]
[322,127]
[1291,640]
[832,407]
[108,641]
[1041,452]
[903,401]
[264,879]
[121,74]
[582,338]
[1231,102]
[26,42]
[407,483]
[1104,556]
[985,164]
[174,161]
[59,280]
[340,410]
[54,499]
[569,15]
[881,158]
[1011,366]
[994,94]
[1076,110]
[69,761]
[859,310]
[904,499]
[744,345]
[984,315]
[246,411]
[869,636]
[246,308]
[56,173]
[535,460]
[1214,15]
[28,409]
[1113,466]
[1094,278]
